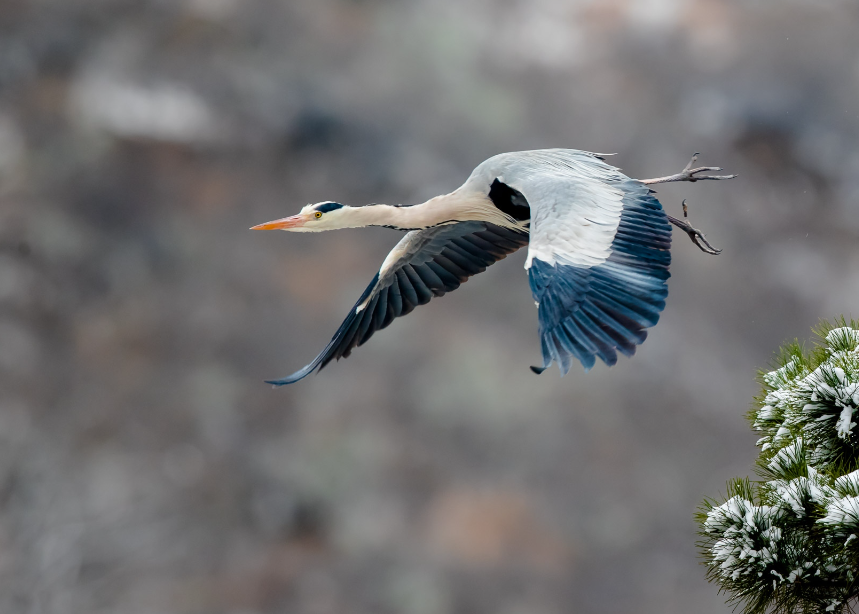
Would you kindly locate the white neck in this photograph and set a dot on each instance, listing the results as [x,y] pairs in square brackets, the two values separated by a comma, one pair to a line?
[406,218]
[453,207]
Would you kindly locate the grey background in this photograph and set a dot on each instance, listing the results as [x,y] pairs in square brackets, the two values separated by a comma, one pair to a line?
[144,467]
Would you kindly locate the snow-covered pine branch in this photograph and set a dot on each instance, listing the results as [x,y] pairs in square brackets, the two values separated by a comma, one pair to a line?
[790,542]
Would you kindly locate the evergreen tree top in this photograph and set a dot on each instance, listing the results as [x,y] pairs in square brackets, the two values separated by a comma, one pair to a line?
[790,541]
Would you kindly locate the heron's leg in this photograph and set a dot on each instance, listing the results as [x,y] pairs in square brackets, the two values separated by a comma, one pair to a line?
[690,174]
[693,233]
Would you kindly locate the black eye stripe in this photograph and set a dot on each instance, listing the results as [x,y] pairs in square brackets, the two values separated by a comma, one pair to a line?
[325,208]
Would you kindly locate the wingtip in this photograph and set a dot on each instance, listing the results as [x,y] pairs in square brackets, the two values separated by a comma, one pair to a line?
[538,370]
[295,377]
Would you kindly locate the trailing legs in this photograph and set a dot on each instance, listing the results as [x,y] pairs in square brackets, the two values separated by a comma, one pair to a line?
[691,174]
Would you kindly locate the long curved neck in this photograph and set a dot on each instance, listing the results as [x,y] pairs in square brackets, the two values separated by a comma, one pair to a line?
[409,217]
[457,206]
[380,215]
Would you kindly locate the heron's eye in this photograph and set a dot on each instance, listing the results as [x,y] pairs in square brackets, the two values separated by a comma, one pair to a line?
[318,214]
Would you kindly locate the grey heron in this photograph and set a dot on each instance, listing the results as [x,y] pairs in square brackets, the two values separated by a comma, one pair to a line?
[598,251]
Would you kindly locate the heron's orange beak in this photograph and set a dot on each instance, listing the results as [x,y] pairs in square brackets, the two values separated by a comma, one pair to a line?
[294,221]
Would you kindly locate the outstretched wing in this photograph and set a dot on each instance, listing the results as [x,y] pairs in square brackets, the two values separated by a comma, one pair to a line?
[425,263]
[598,256]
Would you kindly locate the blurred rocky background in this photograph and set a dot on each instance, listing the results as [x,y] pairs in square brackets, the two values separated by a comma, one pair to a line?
[144,466]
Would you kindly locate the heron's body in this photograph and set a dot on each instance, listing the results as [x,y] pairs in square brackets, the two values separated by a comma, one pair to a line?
[598,252]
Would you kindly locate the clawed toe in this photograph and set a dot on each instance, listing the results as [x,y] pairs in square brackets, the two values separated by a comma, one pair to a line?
[696,235]
[690,174]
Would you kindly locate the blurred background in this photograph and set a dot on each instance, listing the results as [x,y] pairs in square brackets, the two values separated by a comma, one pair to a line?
[144,466]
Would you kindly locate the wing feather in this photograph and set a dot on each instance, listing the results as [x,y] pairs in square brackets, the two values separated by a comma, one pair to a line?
[598,255]
[431,280]
[425,263]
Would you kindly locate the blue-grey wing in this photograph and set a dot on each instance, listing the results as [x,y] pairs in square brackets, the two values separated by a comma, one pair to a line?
[598,255]
[425,263]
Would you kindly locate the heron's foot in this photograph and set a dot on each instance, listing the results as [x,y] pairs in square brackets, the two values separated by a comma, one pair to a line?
[690,174]
[696,235]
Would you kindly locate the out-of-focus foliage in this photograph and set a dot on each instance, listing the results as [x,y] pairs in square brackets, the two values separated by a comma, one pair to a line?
[144,467]
[789,543]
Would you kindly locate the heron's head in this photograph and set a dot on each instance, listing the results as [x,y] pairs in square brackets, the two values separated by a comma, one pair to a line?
[312,218]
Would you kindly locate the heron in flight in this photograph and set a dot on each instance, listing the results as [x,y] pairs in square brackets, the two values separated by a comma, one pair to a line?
[598,251]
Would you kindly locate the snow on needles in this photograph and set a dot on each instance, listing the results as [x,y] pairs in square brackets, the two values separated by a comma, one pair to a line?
[819,404]
[790,543]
